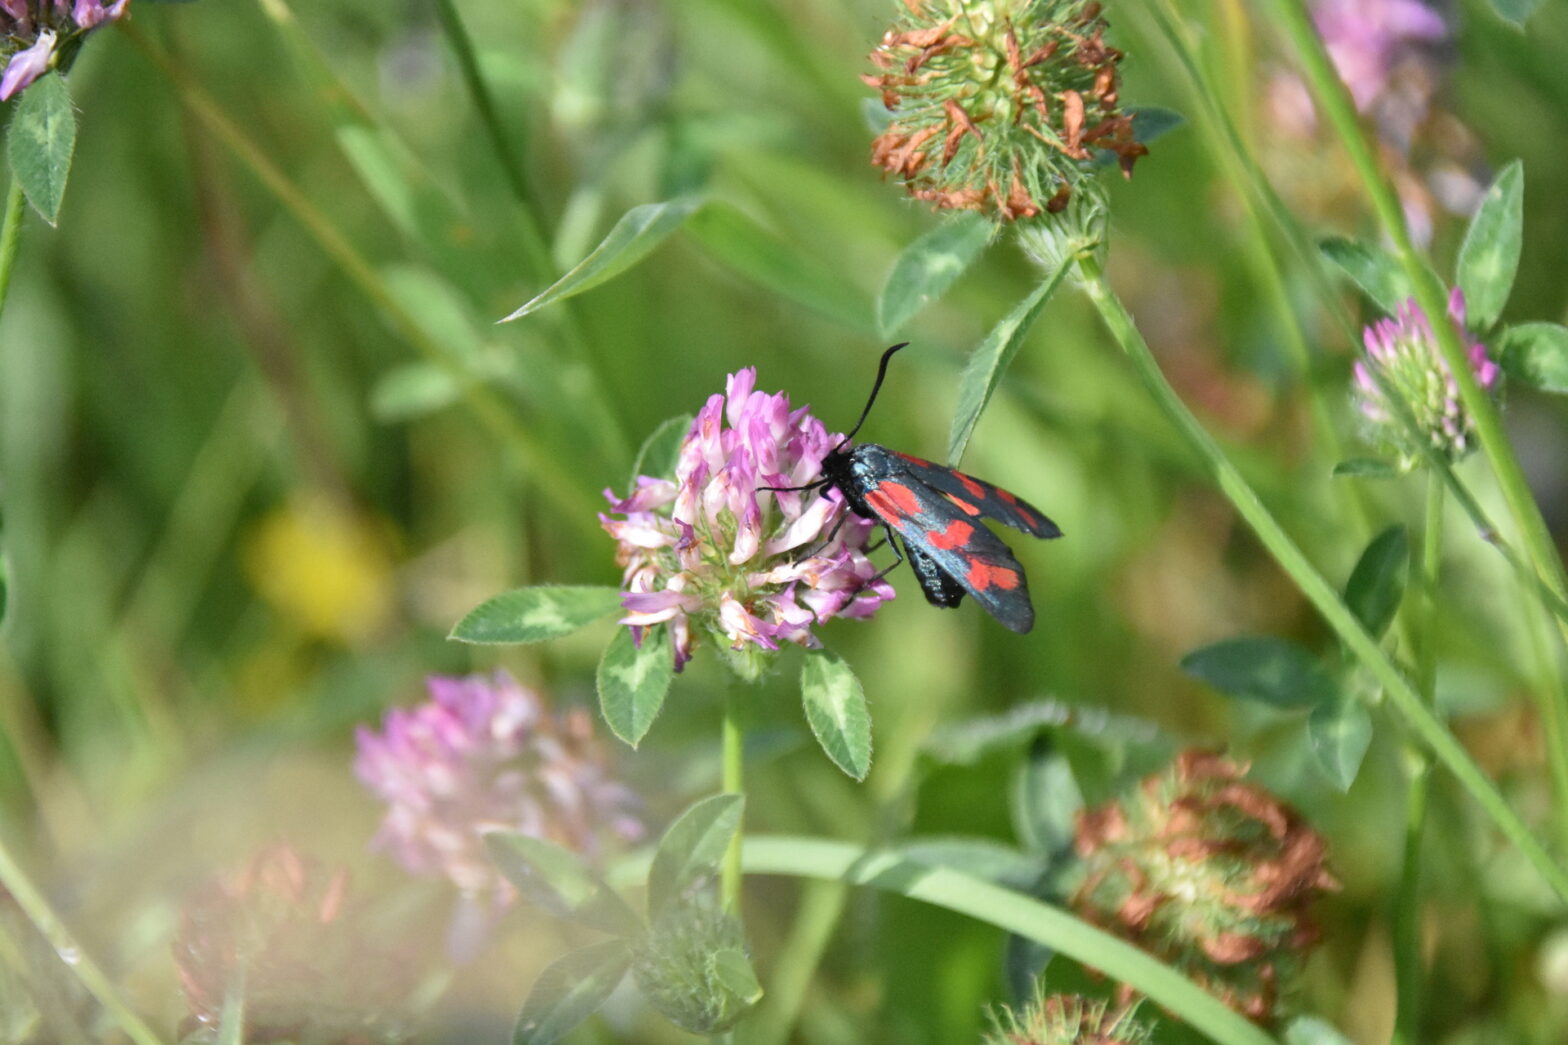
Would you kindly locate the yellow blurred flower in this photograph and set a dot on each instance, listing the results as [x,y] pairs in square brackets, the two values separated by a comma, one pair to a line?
[323,567]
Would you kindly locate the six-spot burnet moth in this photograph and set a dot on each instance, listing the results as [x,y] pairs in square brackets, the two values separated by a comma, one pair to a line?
[935,511]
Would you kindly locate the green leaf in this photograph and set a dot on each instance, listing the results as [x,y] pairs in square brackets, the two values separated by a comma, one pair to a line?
[1309,1030]
[1375,272]
[536,614]
[1340,731]
[982,857]
[692,849]
[633,237]
[928,266]
[1378,582]
[967,740]
[836,708]
[657,457]
[989,361]
[1365,468]
[735,974]
[1266,669]
[1149,122]
[632,681]
[1516,11]
[40,142]
[412,391]
[1489,256]
[1536,354]
[762,257]
[557,880]
[1045,800]
[570,991]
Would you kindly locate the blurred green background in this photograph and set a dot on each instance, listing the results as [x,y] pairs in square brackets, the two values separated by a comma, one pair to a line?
[243,505]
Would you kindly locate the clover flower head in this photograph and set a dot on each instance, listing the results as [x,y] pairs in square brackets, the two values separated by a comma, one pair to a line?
[1403,360]
[1211,874]
[311,970]
[997,106]
[37,35]
[1369,40]
[1068,1019]
[485,753]
[706,551]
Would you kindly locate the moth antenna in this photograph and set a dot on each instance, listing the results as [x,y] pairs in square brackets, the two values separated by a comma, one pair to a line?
[875,388]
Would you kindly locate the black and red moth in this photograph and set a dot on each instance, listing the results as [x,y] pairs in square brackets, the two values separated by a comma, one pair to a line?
[935,511]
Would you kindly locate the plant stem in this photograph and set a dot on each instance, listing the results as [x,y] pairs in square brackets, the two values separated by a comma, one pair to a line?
[1408,970]
[1401,695]
[43,917]
[1014,911]
[821,905]
[537,244]
[528,451]
[735,784]
[10,236]
[1333,99]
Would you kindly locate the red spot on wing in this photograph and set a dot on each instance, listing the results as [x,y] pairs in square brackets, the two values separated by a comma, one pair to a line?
[922,462]
[982,575]
[975,489]
[883,505]
[1007,496]
[901,497]
[963,506]
[954,535]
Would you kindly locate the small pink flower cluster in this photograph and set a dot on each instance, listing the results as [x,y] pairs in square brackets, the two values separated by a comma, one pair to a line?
[485,753]
[753,568]
[34,33]
[1402,359]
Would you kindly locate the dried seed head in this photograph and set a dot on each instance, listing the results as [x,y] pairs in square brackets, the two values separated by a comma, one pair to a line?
[1210,873]
[999,106]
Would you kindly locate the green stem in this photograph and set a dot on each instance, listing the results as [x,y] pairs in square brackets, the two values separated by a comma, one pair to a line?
[10,236]
[1333,99]
[820,907]
[1401,695]
[536,243]
[735,784]
[38,911]
[1010,910]
[529,452]
[1408,971]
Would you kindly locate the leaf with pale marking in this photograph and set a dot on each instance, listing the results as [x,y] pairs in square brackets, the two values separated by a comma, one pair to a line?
[536,614]
[692,849]
[633,680]
[570,991]
[928,266]
[836,709]
[40,141]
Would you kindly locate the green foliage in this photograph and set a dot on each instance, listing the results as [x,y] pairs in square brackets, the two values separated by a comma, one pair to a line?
[633,238]
[691,850]
[559,882]
[1536,354]
[1377,584]
[1378,275]
[928,266]
[633,680]
[570,991]
[1489,256]
[836,709]
[536,614]
[40,142]
[1269,670]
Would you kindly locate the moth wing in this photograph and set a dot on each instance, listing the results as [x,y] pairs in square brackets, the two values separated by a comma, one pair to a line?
[977,497]
[959,546]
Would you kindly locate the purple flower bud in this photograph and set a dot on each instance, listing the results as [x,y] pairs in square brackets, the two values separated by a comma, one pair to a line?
[485,753]
[27,66]
[1403,360]
[753,568]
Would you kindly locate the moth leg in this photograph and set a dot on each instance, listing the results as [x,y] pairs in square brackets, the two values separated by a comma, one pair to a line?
[898,556]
